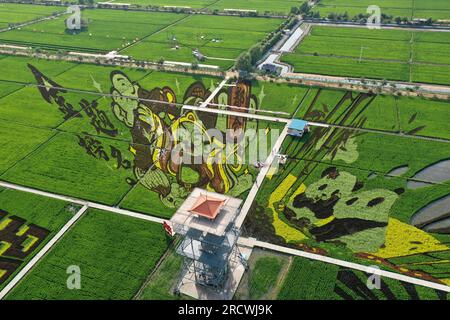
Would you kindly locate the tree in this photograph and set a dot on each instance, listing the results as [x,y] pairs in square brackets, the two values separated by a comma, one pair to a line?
[304,8]
[255,53]
[332,16]
[295,10]
[244,62]
[345,16]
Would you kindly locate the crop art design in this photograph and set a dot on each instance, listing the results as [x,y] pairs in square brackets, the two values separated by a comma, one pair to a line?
[331,197]
[17,241]
[155,127]
[171,150]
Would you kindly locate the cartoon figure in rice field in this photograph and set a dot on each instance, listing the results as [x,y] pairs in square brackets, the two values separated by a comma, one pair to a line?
[153,125]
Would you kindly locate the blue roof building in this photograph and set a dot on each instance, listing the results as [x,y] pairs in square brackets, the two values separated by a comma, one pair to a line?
[298,127]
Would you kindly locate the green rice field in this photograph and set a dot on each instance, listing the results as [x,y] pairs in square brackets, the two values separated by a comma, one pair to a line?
[11,14]
[368,181]
[149,36]
[379,54]
[411,9]
[27,223]
[114,254]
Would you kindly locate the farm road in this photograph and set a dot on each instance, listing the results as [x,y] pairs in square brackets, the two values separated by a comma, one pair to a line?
[90,204]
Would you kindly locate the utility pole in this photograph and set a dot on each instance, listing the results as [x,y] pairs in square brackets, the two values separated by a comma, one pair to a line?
[361,54]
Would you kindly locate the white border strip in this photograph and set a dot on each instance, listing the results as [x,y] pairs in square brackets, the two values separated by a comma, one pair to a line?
[81,202]
[260,177]
[342,263]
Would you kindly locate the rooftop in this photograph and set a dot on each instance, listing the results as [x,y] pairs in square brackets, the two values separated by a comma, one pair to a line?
[197,211]
[208,207]
[297,124]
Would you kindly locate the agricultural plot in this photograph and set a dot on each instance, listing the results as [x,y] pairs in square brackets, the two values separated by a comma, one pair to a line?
[409,115]
[88,146]
[396,8]
[18,141]
[107,30]
[380,54]
[282,7]
[219,38]
[15,69]
[418,9]
[12,14]
[62,166]
[7,87]
[149,36]
[365,197]
[266,271]
[114,254]
[27,222]
[260,6]
[161,285]
[273,275]
[438,10]
[194,4]
[285,98]
[315,280]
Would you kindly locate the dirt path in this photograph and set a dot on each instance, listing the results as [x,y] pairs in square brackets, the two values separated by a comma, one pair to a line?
[281,278]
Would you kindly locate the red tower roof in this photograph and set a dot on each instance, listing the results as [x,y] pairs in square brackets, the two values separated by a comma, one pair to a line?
[207,207]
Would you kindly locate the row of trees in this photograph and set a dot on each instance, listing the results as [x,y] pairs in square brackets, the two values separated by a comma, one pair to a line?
[308,12]
[247,60]
[362,18]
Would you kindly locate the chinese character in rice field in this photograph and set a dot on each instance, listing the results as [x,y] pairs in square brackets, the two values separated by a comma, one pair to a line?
[156,124]
[17,241]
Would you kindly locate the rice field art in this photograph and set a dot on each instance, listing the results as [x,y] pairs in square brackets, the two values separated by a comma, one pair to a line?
[137,133]
[18,239]
[334,197]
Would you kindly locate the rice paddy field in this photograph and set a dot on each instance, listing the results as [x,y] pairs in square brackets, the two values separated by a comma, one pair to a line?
[276,276]
[328,282]
[357,196]
[219,38]
[261,6]
[27,223]
[194,4]
[149,36]
[281,7]
[413,56]
[67,153]
[107,30]
[11,14]
[411,9]
[95,244]
[368,183]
